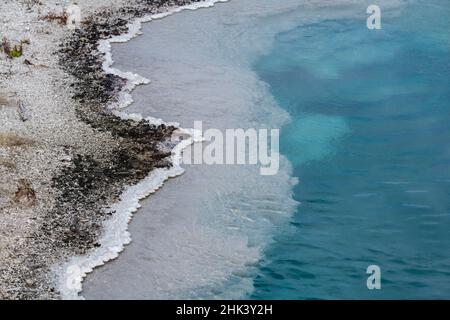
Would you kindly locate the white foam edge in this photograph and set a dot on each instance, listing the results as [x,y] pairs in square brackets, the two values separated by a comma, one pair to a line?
[115,236]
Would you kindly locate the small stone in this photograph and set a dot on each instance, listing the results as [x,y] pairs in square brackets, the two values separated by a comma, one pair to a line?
[29,283]
[3,295]
[25,193]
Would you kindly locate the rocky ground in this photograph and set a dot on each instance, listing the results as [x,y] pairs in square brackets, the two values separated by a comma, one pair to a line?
[63,157]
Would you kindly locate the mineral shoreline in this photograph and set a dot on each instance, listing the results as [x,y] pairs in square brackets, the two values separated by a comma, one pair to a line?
[64,158]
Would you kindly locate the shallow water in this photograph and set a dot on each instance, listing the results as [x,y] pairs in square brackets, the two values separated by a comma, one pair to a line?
[202,235]
[363,116]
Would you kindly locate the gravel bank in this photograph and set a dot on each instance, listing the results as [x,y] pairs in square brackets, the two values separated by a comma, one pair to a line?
[64,158]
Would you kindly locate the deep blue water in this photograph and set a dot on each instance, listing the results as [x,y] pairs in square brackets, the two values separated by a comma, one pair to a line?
[370,143]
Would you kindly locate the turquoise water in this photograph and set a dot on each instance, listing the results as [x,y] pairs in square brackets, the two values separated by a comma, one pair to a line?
[370,143]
